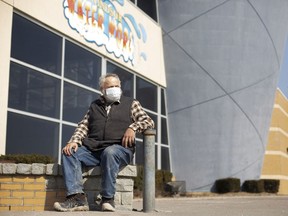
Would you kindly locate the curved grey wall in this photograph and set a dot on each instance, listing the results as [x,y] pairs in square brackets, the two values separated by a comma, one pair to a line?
[222,64]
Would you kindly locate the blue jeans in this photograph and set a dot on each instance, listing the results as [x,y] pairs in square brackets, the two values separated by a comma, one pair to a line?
[111,160]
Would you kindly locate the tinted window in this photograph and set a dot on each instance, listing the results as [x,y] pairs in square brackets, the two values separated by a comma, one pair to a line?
[76,102]
[139,153]
[35,45]
[127,83]
[26,135]
[34,92]
[165,159]
[163,102]
[156,156]
[67,132]
[81,65]
[164,134]
[146,93]
[39,93]
[149,7]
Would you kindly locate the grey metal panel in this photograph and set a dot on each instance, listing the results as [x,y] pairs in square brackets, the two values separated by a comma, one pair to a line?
[215,37]
[210,145]
[175,13]
[274,16]
[258,107]
[187,84]
[222,67]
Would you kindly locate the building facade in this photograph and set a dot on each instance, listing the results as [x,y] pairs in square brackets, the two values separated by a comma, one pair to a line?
[218,61]
[52,55]
[222,62]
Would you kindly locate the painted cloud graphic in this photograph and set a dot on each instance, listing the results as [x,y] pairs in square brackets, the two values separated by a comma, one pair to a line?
[100,23]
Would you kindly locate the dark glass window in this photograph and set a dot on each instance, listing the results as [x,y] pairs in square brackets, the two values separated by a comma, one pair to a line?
[163,102]
[34,92]
[149,7]
[127,82]
[26,135]
[146,93]
[165,159]
[156,157]
[139,157]
[67,132]
[35,45]
[76,102]
[81,65]
[164,134]
[154,118]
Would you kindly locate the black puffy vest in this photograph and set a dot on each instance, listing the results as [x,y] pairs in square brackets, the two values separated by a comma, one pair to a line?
[104,129]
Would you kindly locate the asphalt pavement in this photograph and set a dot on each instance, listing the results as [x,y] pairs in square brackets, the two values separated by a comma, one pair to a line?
[270,205]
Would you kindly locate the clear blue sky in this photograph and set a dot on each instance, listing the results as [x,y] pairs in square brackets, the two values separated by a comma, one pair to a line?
[283,79]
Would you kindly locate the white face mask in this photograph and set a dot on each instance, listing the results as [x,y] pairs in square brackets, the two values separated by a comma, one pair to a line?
[113,94]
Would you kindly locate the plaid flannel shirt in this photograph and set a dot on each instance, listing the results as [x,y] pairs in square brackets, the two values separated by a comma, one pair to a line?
[141,121]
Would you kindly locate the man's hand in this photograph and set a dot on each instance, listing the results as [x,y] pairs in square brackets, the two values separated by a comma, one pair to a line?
[67,150]
[128,138]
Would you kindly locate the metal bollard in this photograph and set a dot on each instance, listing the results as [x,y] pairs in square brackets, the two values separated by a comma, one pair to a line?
[149,170]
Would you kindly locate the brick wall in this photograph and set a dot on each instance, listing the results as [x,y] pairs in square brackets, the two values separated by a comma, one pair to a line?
[35,187]
[276,154]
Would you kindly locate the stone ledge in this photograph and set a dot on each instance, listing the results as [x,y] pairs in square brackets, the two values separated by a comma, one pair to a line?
[55,169]
[128,171]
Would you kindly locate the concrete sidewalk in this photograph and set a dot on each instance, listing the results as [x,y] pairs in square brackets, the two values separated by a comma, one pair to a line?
[270,205]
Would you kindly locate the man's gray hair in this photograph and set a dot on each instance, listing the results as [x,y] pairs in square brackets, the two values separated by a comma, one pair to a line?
[103,78]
